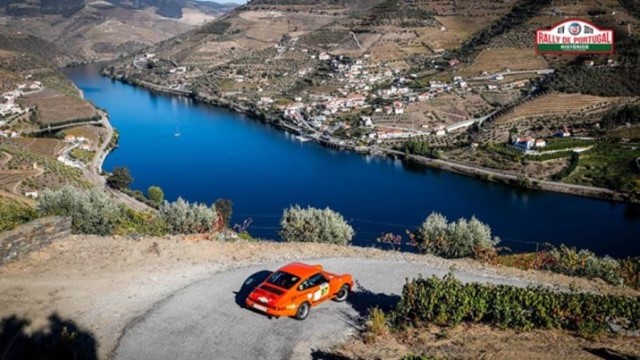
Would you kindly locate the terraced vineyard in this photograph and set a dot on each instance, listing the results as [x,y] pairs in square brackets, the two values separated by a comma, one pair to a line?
[555,104]
[55,108]
[43,146]
[22,170]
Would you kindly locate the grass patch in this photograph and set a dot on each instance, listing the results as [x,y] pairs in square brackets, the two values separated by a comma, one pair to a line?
[609,165]
[13,214]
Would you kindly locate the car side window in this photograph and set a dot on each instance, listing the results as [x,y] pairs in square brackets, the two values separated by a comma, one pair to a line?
[312,281]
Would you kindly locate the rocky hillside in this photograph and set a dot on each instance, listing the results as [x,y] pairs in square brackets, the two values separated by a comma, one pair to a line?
[107,29]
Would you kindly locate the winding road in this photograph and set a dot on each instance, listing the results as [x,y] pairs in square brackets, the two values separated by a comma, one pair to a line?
[94,169]
[207,320]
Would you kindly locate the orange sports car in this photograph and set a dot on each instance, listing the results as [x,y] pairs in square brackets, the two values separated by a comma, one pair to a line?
[295,288]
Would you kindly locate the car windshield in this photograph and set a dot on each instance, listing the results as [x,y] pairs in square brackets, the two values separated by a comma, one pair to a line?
[282,279]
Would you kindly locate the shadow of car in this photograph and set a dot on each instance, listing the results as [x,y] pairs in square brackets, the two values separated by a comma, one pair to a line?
[249,284]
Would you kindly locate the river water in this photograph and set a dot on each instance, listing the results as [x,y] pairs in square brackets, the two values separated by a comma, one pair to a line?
[221,154]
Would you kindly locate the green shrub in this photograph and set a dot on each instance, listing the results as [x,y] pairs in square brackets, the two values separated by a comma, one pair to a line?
[582,263]
[630,272]
[141,223]
[183,217]
[92,211]
[314,225]
[13,214]
[457,239]
[448,302]
[155,194]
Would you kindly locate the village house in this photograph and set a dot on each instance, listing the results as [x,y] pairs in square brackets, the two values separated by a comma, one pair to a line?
[528,143]
[366,121]
[565,132]
[8,134]
[355,100]
[266,100]
[398,108]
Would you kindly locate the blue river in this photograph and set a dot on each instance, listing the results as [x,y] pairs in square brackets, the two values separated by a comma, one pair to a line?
[262,170]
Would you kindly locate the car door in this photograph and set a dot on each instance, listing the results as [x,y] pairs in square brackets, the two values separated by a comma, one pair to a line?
[315,289]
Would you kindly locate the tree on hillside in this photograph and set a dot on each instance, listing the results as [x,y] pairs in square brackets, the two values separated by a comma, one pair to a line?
[120,178]
[457,239]
[315,225]
[155,194]
[225,209]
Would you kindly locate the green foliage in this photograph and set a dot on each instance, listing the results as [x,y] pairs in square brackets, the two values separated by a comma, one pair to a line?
[183,217]
[377,324]
[566,143]
[92,211]
[82,155]
[120,178]
[420,148]
[13,214]
[519,15]
[141,223]
[601,80]
[448,302]
[630,272]
[609,165]
[573,164]
[215,27]
[628,114]
[225,210]
[583,263]
[155,194]
[314,225]
[457,239]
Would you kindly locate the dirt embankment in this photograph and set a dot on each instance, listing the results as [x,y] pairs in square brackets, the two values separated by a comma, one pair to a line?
[104,283]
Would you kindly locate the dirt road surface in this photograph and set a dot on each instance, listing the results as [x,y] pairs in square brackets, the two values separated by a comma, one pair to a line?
[175,295]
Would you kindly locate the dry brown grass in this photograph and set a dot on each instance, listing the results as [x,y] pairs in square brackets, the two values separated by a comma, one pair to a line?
[43,146]
[56,108]
[558,104]
[500,59]
[626,132]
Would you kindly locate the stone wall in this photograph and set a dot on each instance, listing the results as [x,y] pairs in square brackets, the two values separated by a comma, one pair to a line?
[33,236]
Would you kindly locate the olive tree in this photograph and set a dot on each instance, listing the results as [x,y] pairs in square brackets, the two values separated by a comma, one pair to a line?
[314,225]
[183,217]
[92,211]
[155,194]
[456,239]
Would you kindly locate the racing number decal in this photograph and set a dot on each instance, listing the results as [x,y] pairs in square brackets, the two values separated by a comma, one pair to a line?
[322,292]
[324,289]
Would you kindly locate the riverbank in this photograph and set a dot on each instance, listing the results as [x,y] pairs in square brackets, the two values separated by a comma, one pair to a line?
[93,171]
[485,174]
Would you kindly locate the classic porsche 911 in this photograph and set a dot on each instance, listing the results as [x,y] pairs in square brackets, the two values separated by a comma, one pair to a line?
[293,289]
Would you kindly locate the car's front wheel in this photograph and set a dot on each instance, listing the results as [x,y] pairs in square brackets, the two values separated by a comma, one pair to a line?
[303,311]
[343,294]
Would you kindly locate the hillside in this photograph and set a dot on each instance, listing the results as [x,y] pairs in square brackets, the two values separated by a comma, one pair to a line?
[365,75]
[94,30]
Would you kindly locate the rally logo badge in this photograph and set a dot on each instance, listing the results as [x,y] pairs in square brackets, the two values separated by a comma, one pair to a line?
[574,36]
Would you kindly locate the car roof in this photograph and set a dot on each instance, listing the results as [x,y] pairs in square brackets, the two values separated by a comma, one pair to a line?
[301,270]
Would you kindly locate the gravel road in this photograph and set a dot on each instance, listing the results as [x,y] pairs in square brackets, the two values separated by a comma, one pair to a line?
[207,320]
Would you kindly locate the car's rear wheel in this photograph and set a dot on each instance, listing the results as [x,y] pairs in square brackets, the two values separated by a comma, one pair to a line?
[303,311]
[343,294]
